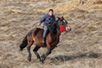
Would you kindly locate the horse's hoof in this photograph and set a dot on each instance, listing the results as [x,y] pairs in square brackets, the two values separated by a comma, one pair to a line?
[43,56]
[29,59]
[20,49]
[42,61]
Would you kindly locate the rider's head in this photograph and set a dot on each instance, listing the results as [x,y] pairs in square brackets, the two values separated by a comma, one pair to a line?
[50,12]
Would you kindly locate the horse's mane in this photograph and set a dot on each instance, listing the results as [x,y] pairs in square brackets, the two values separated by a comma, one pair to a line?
[53,27]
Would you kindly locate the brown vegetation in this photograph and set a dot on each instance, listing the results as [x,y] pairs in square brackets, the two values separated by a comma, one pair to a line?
[80,48]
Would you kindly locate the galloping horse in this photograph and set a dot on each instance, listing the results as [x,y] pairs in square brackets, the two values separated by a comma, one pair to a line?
[52,39]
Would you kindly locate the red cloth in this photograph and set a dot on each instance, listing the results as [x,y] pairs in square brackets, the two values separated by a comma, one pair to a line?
[62,28]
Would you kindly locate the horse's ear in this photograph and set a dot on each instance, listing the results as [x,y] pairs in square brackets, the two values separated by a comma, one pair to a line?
[58,18]
[62,17]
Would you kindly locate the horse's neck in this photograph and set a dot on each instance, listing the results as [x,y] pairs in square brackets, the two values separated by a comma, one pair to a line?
[57,27]
[57,24]
[59,33]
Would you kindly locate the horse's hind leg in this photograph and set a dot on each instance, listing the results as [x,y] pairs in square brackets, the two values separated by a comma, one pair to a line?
[28,48]
[35,51]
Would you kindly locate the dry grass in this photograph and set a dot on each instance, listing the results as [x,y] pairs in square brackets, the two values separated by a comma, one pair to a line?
[61,8]
[80,48]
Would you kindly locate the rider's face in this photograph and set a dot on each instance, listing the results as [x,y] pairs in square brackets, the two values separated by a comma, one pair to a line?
[50,13]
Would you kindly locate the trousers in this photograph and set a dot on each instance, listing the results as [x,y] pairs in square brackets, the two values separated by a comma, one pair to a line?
[45,32]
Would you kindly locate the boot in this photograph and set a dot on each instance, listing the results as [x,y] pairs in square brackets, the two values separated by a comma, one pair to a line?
[44,40]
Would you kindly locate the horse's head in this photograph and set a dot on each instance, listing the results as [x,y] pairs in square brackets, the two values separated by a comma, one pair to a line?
[63,24]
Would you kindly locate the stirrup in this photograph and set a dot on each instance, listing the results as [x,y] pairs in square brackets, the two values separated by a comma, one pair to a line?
[43,41]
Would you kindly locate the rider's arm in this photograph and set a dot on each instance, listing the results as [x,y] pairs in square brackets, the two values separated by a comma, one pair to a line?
[54,19]
[42,19]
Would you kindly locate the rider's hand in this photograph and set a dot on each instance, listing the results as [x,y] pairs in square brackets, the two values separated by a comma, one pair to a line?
[39,24]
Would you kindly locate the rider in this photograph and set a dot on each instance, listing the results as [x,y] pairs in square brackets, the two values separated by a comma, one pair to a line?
[47,19]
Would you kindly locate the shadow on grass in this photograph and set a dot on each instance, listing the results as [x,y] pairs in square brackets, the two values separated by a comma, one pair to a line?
[63,58]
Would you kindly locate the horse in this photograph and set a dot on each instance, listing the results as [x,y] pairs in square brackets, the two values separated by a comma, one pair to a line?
[52,38]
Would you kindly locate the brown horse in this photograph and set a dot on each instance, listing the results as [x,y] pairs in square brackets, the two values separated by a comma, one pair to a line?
[52,39]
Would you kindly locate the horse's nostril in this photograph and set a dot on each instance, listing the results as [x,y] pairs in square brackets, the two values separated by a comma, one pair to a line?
[68,28]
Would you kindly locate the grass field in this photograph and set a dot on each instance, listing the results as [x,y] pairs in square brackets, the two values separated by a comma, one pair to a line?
[80,48]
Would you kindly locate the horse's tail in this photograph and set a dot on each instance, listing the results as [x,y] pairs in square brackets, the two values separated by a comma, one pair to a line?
[24,43]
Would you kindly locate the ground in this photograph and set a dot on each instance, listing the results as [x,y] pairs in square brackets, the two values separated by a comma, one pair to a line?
[80,48]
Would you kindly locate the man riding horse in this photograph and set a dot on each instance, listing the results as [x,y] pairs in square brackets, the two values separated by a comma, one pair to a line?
[47,19]
[42,38]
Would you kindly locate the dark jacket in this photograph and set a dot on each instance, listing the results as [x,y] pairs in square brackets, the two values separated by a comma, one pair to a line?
[47,19]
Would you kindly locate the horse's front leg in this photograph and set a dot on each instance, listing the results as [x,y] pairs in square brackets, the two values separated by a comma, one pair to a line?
[35,51]
[45,55]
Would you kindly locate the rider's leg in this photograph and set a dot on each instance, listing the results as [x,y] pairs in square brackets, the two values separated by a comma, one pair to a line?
[45,34]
